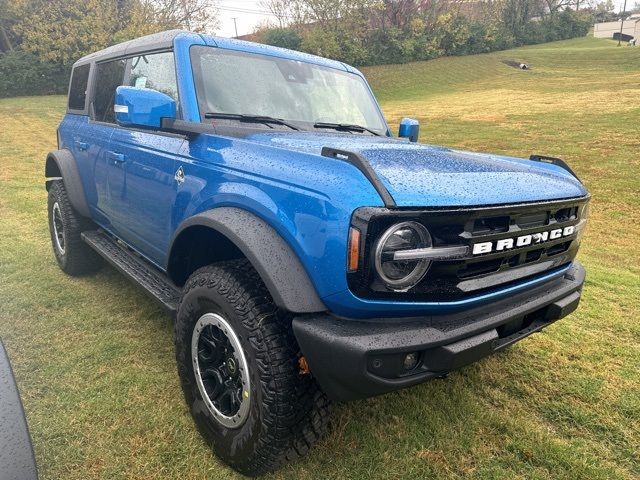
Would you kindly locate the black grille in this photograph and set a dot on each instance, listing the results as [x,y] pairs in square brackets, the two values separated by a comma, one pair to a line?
[474,274]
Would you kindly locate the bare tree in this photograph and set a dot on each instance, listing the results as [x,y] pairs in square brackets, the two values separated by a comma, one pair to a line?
[515,14]
[553,6]
[5,42]
[6,20]
[400,13]
[280,9]
[197,15]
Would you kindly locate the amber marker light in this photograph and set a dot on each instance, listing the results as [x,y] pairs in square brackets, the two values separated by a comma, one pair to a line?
[354,249]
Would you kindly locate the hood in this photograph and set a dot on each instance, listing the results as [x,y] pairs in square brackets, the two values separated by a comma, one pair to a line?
[418,175]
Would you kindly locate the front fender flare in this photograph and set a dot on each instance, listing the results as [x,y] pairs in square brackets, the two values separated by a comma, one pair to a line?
[272,257]
[62,164]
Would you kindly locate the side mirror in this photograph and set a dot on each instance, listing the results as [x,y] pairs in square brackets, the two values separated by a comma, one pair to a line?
[143,107]
[409,128]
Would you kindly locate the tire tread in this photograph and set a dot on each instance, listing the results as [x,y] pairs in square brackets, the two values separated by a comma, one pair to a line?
[295,410]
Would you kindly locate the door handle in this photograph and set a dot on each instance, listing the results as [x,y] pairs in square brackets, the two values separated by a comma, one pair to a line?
[82,146]
[117,157]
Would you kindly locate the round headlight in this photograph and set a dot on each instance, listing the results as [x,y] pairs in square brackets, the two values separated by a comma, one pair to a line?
[402,274]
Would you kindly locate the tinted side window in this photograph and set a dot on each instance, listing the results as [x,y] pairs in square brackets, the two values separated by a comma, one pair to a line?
[78,89]
[110,76]
[156,71]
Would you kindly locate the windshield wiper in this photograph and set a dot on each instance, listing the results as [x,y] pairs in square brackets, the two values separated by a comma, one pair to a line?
[250,119]
[346,127]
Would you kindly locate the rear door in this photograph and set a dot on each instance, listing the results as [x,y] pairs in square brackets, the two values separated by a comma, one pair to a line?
[84,138]
[146,160]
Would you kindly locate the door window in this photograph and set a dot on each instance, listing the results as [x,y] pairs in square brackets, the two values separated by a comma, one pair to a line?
[156,71]
[110,75]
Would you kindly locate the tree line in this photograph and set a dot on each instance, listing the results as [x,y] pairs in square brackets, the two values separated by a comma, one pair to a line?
[41,39]
[370,32]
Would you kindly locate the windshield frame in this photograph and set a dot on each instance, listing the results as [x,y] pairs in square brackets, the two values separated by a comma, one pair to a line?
[303,125]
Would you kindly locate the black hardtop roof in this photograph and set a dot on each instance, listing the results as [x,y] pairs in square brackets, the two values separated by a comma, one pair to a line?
[156,41]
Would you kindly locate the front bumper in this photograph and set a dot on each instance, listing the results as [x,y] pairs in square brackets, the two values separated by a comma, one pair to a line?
[354,359]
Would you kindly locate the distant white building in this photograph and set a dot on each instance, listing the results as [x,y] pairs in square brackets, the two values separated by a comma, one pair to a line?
[606,30]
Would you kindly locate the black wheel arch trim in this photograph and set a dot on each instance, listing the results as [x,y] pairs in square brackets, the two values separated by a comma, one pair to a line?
[62,164]
[275,261]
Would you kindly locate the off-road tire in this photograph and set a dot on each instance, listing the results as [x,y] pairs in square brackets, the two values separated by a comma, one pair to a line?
[77,258]
[288,412]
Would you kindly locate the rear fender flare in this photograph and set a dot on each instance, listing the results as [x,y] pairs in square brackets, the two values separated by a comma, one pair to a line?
[62,165]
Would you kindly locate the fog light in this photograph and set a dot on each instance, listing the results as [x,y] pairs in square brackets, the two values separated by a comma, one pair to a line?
[410,361]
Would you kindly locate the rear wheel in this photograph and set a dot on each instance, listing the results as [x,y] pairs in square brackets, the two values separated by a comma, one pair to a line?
[239,366]
[65,225]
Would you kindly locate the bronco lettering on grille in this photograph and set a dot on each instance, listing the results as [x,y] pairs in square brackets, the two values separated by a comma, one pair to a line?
[523,240]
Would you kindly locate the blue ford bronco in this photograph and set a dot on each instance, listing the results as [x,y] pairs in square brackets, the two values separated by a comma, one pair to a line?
[305,254]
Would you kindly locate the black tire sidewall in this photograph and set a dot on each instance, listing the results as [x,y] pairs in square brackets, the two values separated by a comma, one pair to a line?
[229,444]
[78,258]
[56,196]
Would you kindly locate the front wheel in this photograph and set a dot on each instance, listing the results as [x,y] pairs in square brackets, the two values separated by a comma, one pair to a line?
[238,362]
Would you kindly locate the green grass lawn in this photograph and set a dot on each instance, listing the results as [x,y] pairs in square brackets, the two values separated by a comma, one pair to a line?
[94,357]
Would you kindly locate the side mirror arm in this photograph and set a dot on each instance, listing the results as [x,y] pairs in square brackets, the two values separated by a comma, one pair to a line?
[188,129]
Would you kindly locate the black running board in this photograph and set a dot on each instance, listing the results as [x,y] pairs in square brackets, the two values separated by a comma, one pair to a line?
[154,282]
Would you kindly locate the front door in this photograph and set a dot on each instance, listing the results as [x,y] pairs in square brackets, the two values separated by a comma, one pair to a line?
[142,165]
[147,162]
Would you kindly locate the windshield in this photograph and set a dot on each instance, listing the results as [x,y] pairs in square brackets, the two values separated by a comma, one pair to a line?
[231,82]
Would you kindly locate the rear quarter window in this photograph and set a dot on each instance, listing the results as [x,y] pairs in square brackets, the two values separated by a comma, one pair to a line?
[78,87]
